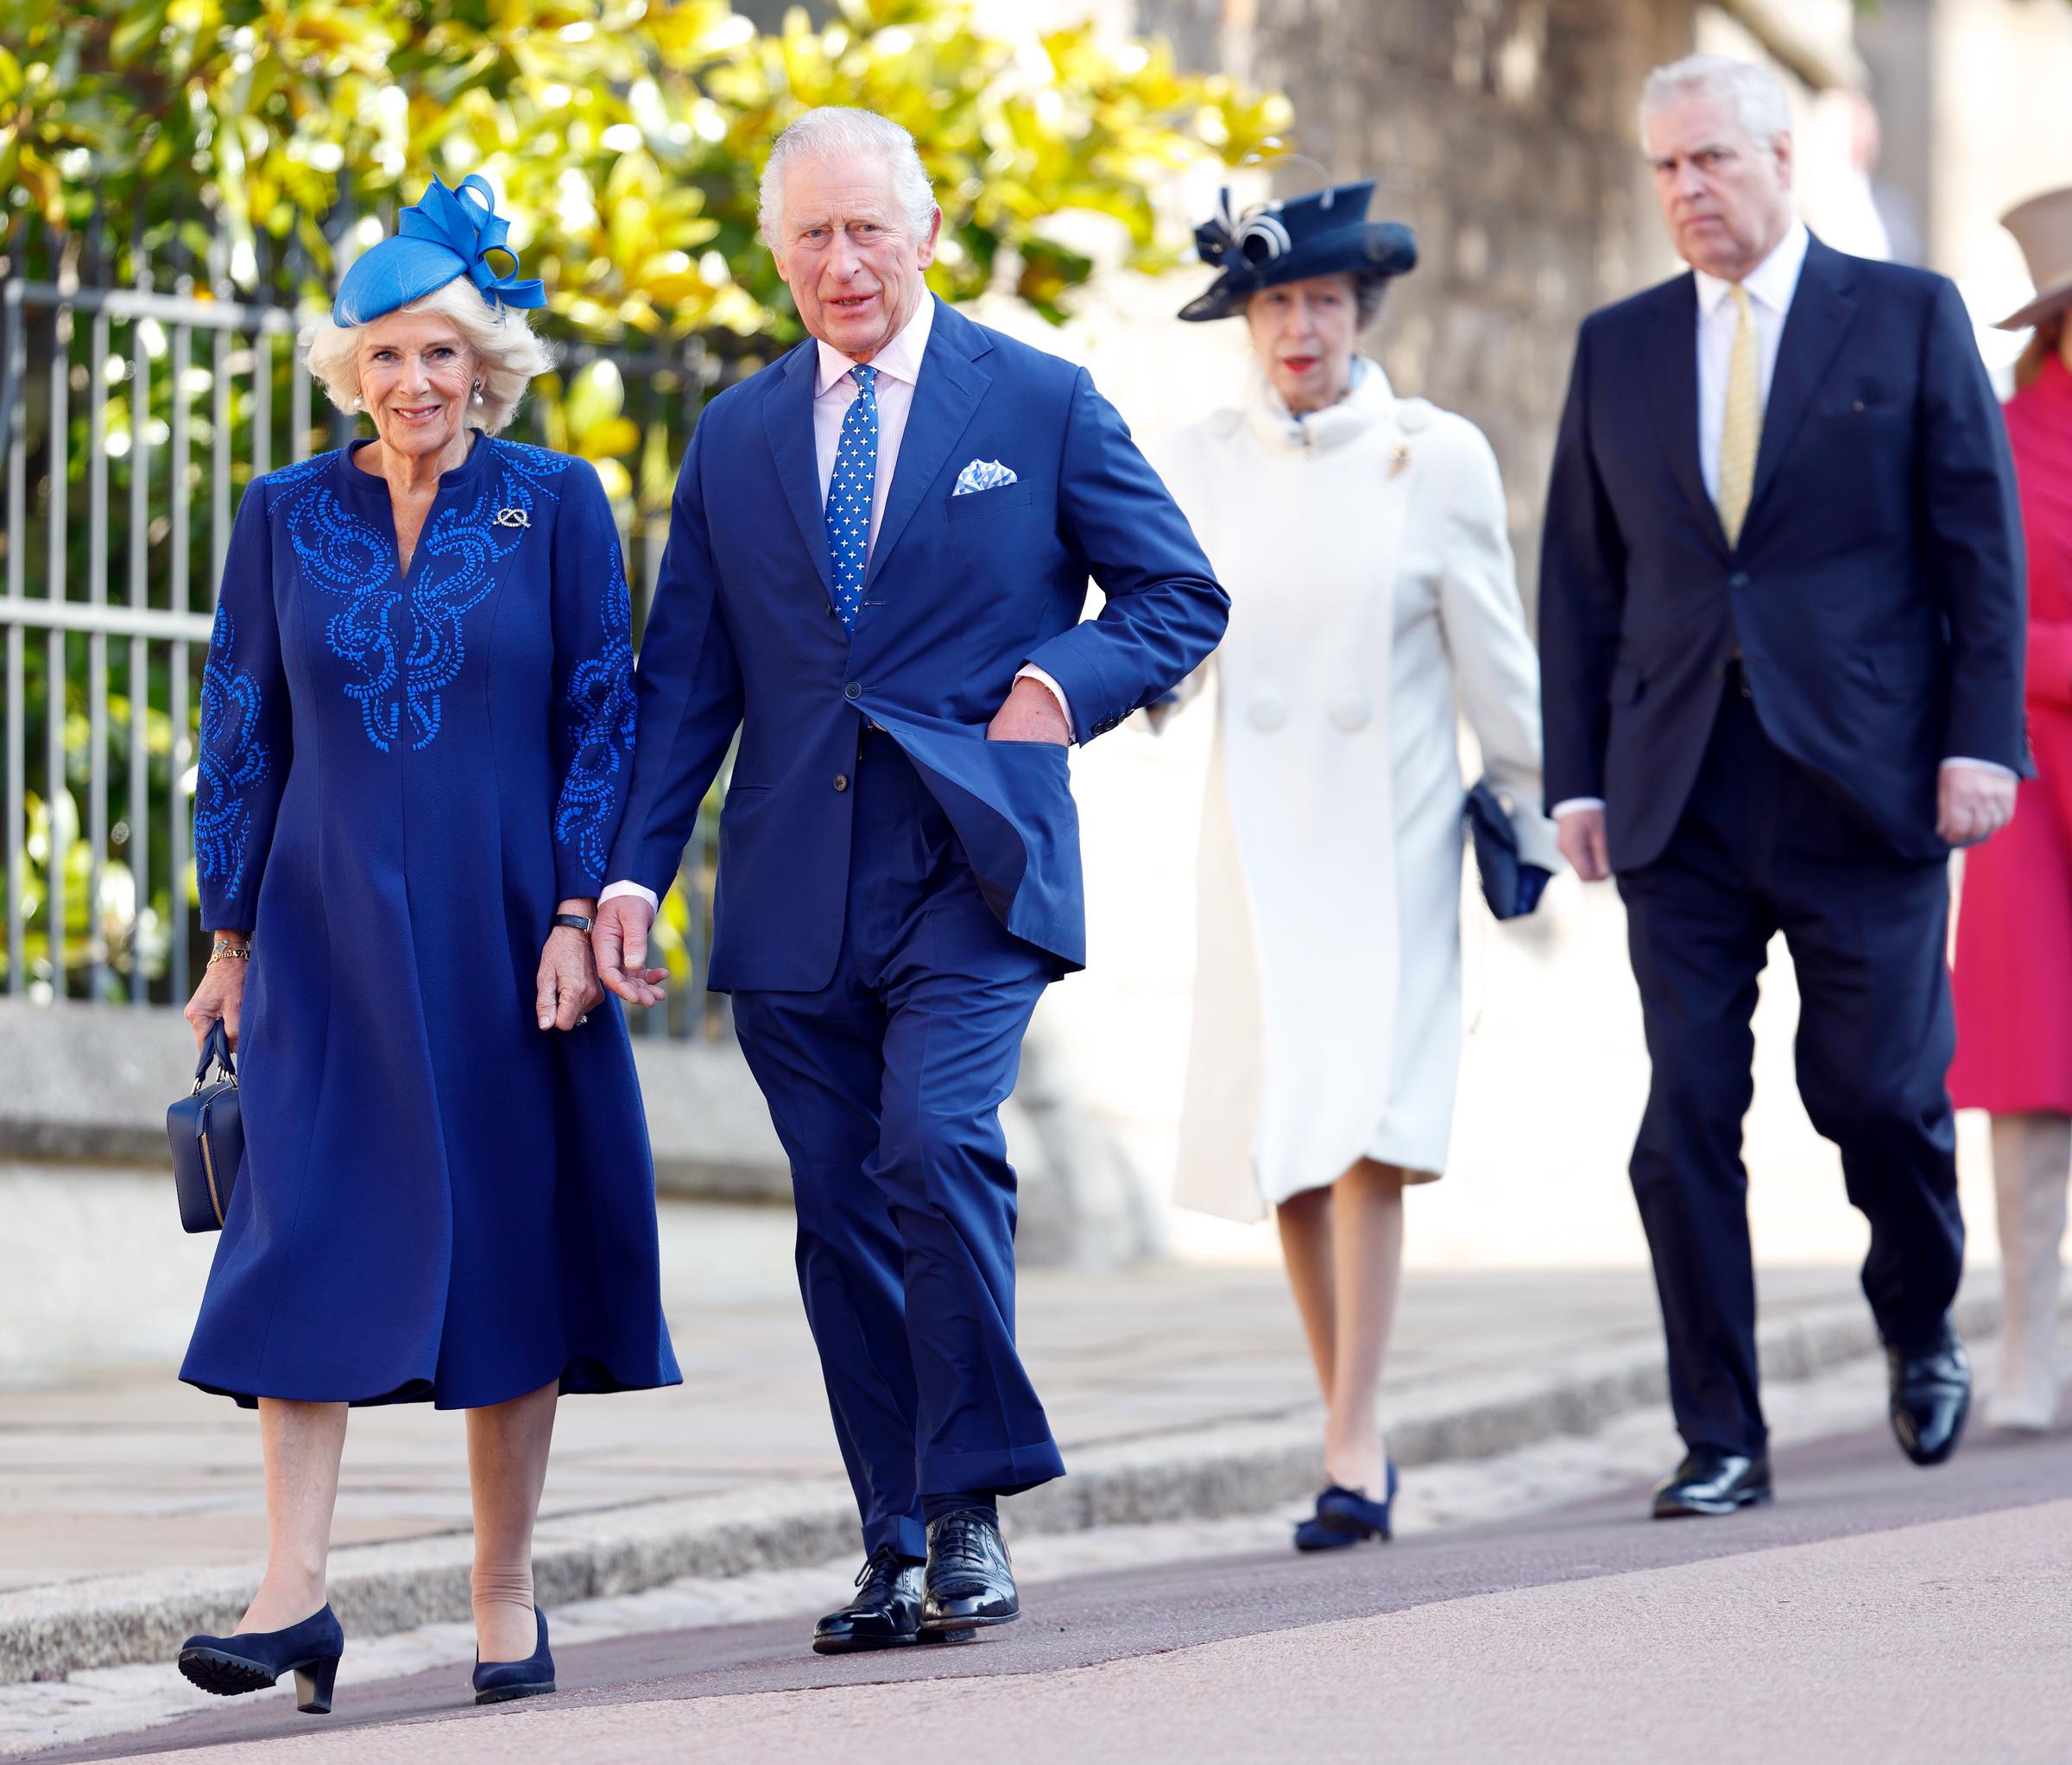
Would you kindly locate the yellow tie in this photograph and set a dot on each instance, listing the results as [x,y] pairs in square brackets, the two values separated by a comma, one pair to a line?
[1741,428]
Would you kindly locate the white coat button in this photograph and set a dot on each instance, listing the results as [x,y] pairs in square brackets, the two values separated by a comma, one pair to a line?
[1351,712]
[1267,711]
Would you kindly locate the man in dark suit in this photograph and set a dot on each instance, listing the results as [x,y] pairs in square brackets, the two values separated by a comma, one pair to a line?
[1782,619]
[878,559]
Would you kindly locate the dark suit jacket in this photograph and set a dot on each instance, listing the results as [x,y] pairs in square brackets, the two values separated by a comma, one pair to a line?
[961,590]
[1876,596]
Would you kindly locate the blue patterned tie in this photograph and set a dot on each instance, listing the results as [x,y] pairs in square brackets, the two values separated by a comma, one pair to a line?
[849,491]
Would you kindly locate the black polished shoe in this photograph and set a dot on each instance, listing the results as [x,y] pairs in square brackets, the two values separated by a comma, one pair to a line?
[1931,1394]
[885,1614]
[969,1580]
[1712,1481]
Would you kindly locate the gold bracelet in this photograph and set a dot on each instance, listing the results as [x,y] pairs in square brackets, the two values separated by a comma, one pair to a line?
[242,953]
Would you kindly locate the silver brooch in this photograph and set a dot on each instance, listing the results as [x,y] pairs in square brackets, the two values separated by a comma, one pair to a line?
[513,517]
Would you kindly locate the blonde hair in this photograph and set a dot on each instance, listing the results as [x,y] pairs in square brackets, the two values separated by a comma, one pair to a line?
[508,353]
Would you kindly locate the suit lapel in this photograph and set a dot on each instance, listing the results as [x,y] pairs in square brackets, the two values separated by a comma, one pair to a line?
[787,419]
[946,391]
[1673,380]
[1822,309]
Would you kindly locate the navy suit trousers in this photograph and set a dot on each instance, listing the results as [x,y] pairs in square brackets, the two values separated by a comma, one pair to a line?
[885,1086]
[1764,845]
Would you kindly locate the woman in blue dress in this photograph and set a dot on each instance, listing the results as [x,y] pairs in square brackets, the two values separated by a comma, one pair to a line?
[417,731]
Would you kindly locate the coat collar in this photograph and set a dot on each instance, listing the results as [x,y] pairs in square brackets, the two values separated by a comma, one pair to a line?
[1368,401]
[946,394]
[1821,313]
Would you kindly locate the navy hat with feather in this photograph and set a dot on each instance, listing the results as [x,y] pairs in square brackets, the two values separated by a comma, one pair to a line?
[1324,233]
[450,234]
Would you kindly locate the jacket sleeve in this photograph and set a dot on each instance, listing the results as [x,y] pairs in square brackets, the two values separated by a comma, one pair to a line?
[1165,610]
[1582,601]
[1494,669]
[688,688]
[1972,527]
[246,729]
[593,714]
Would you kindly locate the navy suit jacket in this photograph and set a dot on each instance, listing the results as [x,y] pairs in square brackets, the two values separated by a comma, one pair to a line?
[962,592]
[1877,595]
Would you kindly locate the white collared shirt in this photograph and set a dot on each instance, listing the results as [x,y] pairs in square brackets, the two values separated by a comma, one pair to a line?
[1770,285]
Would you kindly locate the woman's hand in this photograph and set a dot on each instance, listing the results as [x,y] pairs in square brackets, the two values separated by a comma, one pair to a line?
[568,987]
[220,996]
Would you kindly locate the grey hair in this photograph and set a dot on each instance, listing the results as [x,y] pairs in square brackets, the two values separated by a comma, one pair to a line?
[835,132]
[1758,96]
[508,352]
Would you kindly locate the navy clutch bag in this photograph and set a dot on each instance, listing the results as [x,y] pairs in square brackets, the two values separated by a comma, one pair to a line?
[1511,886]
[207,1133]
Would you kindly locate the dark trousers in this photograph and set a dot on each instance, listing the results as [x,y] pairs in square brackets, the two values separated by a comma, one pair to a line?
[885,1087]
[1764,846]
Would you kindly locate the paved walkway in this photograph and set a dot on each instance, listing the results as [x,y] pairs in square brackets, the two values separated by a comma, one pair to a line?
[1522,1628]
[122,1471]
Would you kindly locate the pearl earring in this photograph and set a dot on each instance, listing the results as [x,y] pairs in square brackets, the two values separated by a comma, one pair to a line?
[358,403]
[478,398]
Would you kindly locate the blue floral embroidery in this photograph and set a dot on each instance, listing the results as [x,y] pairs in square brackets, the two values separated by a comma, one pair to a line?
[233,760]
[399,695]
[600,731]
[346,556]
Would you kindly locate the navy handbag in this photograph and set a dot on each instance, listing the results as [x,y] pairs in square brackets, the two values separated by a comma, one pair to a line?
[1511,886]
[207,1132]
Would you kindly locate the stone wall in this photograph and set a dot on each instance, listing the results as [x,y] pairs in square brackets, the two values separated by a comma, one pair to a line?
[1502,131]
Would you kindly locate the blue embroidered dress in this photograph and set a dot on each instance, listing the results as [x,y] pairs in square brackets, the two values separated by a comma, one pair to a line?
[400,775]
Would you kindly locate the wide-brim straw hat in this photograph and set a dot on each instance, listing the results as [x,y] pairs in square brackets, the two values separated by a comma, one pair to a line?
[2042,227]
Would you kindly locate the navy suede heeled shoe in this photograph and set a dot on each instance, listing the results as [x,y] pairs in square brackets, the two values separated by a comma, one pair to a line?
[251,1661]
[1345,1517]
[497,1681]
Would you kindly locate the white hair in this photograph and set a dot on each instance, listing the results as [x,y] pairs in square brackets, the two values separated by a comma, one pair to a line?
[835,132]
[508,352]
[1756,94]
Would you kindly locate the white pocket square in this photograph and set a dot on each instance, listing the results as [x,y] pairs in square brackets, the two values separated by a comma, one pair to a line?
[982,475]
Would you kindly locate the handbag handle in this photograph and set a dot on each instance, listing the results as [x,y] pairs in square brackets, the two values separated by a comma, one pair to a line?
[215,1051]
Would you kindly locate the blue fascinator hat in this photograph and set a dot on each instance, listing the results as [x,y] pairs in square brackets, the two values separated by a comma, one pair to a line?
[1324,233]
[451,233]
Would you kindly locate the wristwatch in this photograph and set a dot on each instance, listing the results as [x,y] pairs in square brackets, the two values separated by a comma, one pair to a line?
[574,921]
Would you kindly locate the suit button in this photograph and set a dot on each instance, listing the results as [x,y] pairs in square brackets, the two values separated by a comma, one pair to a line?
[1738,579]
[841,781]
[1351,713]
[853,690]
[1266,712]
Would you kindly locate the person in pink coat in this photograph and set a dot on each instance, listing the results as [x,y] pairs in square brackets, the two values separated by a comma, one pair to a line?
[2013,980]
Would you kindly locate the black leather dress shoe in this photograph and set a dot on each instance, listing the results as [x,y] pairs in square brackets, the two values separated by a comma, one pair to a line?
[1932,1396]
[1712,1481]
[969,1580]
[885,1614]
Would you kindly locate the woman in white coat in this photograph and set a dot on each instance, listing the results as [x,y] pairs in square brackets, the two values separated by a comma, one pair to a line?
[1363,539]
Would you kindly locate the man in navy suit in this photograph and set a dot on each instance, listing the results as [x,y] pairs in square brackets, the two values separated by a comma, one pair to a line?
[876,568]
[1782,619]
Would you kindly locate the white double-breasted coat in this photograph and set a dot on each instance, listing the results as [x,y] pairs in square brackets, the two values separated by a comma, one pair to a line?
[1373,599]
